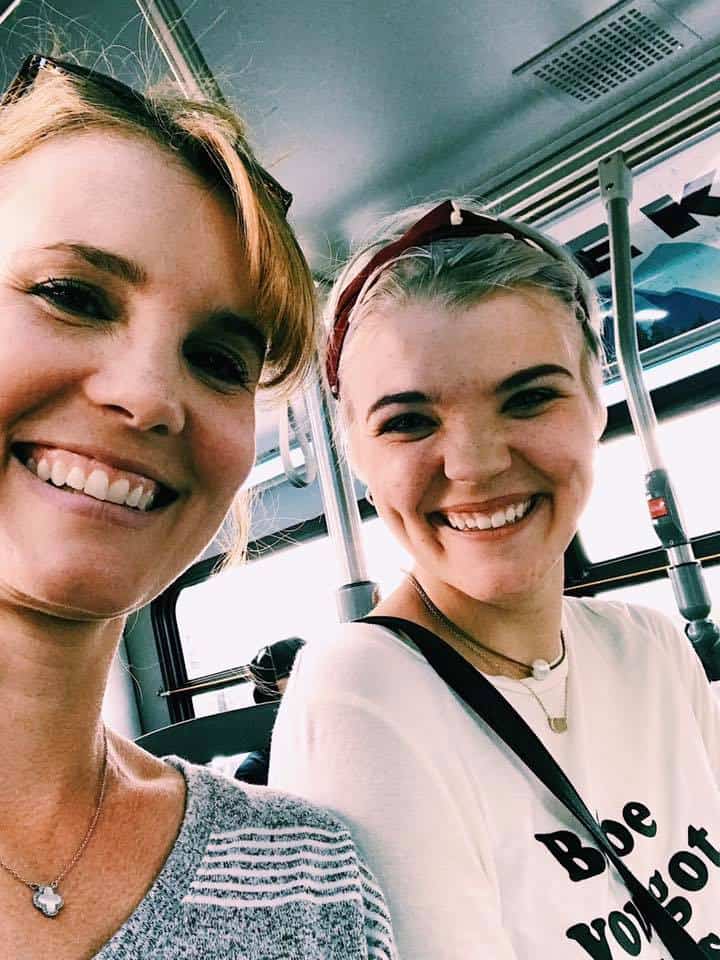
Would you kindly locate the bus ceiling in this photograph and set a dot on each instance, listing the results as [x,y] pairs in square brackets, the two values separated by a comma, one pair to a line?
[360,107]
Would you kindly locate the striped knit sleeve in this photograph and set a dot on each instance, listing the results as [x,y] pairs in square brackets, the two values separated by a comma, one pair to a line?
[378,931]
[271,867]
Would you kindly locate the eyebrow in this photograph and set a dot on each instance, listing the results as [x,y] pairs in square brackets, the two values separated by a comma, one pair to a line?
[127,270]
[515,380]
[522,377]
[407,396]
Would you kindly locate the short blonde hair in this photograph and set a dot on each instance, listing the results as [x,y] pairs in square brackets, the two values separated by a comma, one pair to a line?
[211,141]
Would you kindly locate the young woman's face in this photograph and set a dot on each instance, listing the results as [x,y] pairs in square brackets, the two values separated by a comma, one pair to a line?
[129,360]
[475,431]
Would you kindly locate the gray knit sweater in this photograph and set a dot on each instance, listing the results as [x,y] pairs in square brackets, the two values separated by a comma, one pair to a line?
[256,875]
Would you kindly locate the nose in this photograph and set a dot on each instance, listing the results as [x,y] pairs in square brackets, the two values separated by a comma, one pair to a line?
[475,452]
[140,381]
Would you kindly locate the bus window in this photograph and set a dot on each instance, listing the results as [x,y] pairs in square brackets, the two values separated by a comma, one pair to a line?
[223,621]
[616,520]
[676,260]
[287,591]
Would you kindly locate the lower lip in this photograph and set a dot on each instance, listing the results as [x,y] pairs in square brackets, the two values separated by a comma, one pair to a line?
[85,506]
[498,533]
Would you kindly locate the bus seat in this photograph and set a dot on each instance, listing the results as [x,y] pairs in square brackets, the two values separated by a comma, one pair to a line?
[222,734]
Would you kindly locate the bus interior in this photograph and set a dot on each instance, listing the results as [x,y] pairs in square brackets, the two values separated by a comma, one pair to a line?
[360,109]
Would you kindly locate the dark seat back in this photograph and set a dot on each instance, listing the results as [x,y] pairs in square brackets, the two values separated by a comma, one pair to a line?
[223,734]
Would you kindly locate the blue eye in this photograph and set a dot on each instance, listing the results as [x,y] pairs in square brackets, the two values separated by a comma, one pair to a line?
[74,297]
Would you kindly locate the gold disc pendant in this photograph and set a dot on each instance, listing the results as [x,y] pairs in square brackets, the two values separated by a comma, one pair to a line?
[48,901]
[558,724]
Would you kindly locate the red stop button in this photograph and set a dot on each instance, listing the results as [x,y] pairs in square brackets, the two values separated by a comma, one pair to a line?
[658,508]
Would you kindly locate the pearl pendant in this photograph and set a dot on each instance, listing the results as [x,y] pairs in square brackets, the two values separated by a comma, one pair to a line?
[540,669]
[48,901]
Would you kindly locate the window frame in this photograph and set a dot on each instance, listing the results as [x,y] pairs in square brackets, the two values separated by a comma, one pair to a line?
[178,688]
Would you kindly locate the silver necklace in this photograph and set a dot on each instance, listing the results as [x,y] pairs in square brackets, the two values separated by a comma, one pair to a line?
[45,896]
[539,669]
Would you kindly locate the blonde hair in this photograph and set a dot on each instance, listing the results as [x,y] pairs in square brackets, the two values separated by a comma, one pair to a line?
[460,272]
[211,141]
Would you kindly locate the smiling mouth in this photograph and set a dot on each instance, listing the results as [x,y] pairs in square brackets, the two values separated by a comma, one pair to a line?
[501,518]
[79,475]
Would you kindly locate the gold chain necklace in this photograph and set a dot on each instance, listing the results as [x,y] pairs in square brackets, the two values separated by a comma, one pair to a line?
[538,669]
[45,897]
[556,724]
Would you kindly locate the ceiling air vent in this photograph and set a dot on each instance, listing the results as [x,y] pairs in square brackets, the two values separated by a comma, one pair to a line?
[614,48]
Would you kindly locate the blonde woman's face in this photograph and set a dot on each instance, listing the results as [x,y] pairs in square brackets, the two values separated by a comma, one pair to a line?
[130,356]
[475,431]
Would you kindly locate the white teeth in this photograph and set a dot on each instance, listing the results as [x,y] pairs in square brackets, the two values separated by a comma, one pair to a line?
[498,518]
[481,521]
[59,473]
[76,479]
[97,485]
[118,491]
[133,499]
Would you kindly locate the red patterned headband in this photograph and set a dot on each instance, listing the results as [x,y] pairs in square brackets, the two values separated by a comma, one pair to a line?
[445,222]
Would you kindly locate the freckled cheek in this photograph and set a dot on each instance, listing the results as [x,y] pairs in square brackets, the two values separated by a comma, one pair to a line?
[399,482]
[567,462]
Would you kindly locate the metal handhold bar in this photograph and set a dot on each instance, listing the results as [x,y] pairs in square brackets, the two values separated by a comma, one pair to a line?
[684,571]
[9,8]
[358,595]
[289,423]
[178,46]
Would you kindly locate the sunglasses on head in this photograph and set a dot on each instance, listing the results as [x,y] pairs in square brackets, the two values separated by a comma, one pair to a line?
[32,65]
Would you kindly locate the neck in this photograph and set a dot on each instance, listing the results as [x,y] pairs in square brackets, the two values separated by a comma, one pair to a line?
[522,629]
[52,681]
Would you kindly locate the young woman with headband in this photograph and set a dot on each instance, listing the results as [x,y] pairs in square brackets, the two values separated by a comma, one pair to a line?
[149,282]
[464,351]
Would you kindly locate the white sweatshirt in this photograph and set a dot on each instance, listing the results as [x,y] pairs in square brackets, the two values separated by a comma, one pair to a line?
[476,858]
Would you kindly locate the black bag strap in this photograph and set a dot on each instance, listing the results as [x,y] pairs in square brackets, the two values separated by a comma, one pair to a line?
[501,717]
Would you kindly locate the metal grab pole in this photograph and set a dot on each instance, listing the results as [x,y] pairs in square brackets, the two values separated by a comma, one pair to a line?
[180,50]
[357,595]
[684,570]
[10,8]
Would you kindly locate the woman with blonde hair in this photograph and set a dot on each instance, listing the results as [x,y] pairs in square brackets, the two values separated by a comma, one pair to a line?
[530,776]
[149,283]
